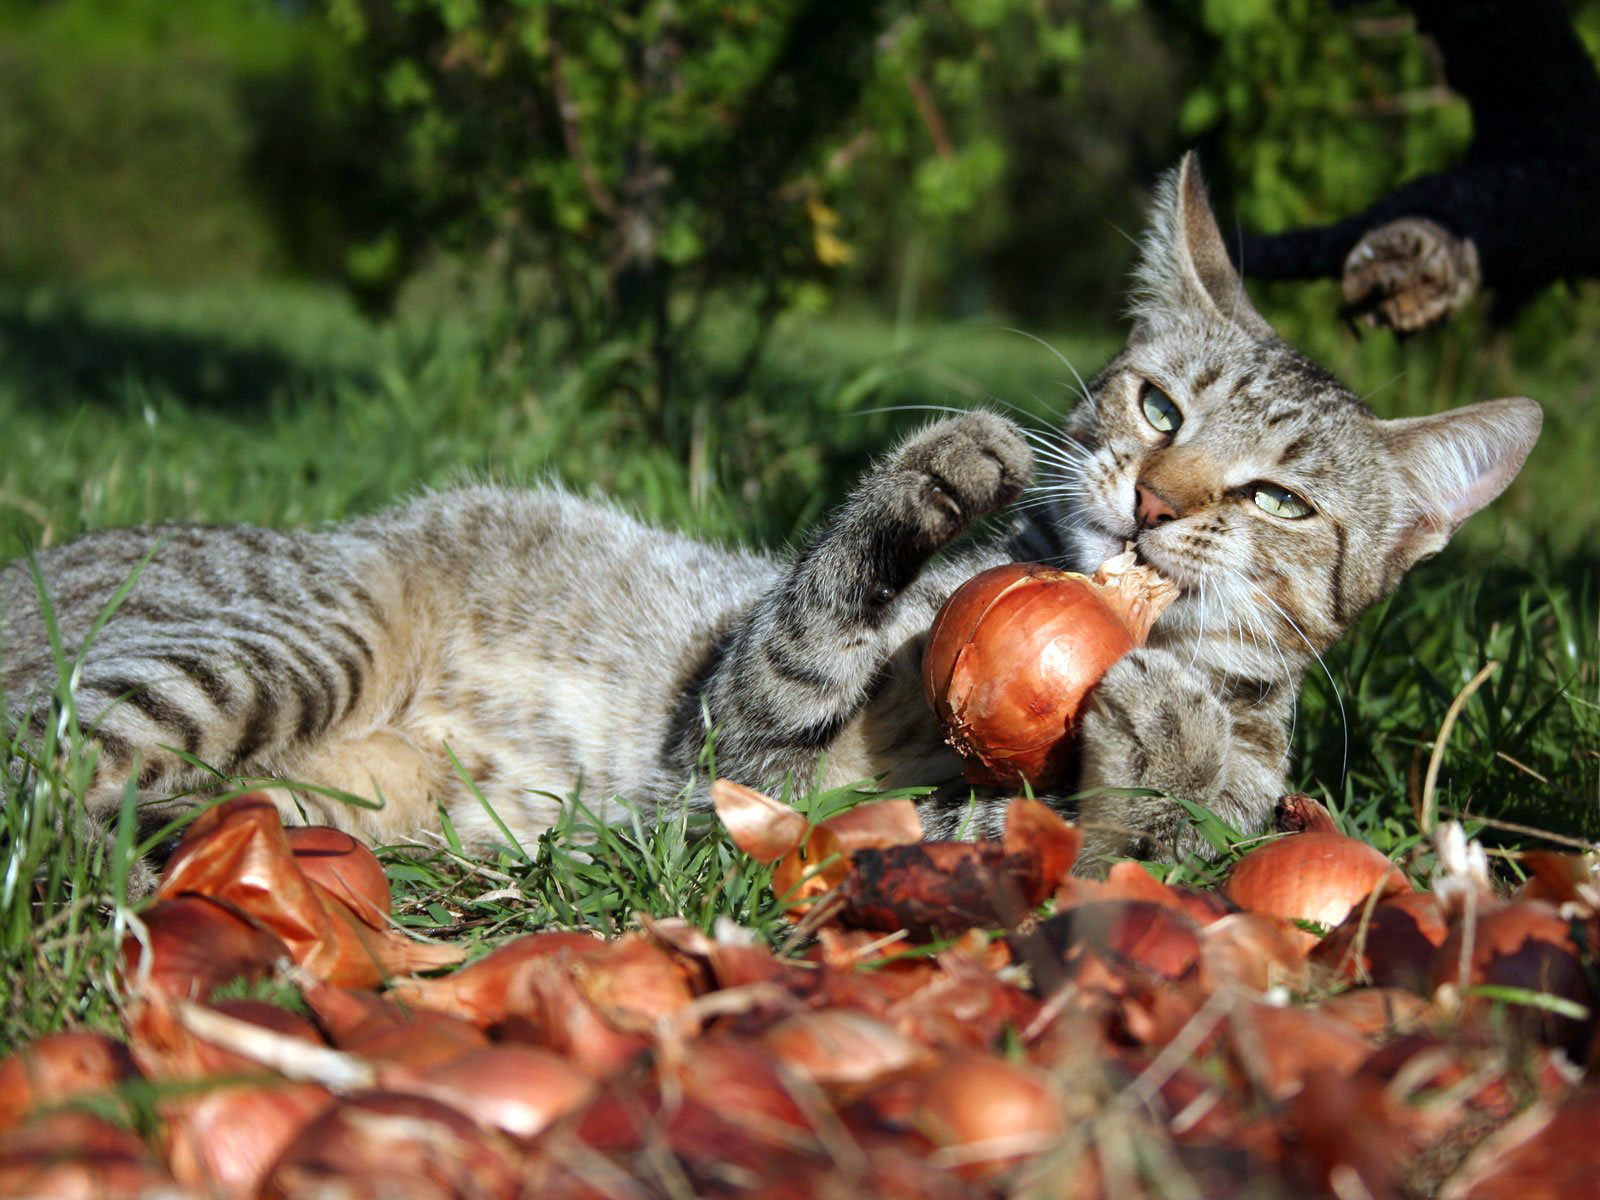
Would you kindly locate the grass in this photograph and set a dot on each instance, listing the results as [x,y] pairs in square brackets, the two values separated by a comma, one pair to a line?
[279,405]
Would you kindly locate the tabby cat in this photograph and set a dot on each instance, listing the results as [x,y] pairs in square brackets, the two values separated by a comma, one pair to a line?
[553,643]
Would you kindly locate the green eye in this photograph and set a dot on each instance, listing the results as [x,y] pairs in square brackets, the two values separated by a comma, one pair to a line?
[1159,410]
[1280,502]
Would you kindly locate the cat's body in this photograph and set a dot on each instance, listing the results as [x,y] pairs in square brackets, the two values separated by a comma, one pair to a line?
[554,644]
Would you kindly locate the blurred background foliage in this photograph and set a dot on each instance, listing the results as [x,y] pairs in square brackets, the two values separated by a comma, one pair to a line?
[625,166]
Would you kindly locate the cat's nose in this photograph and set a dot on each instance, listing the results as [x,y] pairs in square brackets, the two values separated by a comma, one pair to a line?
[1151,507]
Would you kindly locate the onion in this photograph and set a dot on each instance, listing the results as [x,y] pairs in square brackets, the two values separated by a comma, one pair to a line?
[1279,1047]
[841,1048]
[1254,951]
[764,828]
[58,1067]
[344,867]
[381,1144]
[1525,946]
[196,946]
[479,991]
[817,864]
[74,1156]
[1311,877]
[1395,949]
[1109,943]
[61,1065]
[239,852]
[1015,650]
[224,1140]
[986,1112]
[165,1048]
[519,1090]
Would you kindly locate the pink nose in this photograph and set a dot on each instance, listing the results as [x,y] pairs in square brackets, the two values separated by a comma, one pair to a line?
[1151,507]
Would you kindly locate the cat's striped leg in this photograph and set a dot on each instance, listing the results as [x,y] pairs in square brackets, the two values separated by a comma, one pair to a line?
[1154,722]
[237,692]
[805,658]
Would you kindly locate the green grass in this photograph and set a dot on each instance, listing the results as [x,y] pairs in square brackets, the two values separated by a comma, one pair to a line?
[280,405]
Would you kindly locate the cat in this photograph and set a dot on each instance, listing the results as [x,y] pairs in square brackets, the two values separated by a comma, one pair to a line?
[554,644]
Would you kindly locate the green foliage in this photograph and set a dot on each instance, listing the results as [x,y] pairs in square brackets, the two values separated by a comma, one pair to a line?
[137,145]
[1311,112]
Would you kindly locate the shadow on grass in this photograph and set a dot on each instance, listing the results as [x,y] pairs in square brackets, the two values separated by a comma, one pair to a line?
[66,354]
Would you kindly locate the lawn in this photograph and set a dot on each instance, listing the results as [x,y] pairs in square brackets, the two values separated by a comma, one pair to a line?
[280,405]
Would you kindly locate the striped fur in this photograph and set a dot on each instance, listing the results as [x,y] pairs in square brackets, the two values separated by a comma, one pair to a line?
[553,644]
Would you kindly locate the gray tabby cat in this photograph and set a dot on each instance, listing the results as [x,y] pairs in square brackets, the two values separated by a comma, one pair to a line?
[554,643]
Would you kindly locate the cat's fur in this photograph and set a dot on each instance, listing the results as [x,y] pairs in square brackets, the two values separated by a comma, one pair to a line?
[554,643]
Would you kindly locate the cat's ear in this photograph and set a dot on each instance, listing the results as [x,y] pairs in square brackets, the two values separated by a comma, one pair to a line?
[1454,463]
[1183,263]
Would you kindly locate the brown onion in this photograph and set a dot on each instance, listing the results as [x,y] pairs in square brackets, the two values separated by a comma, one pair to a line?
[841,1048]
[479,991]
[1279,1047]
[71,1155]
[1393,946]
[197,945]
[1014,652]
[1525,946]
[519,1090]
[383,1144]
[985,1112]
[344,867]
[1311,877]
[238,852]
[59,1067]
[223,1140]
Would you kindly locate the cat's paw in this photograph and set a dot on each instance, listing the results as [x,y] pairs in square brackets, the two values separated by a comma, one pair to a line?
[1151,722]
[946,477]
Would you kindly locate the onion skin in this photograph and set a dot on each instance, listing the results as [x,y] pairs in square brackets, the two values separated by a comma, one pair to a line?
[1396,947]
[1311,877]
[520,1090]
[71,1155]
[1528,945]
[993,1110]
[388,1144]
[58,1067]
[196,946]
[344,867]
[224,1140]
[1010,659]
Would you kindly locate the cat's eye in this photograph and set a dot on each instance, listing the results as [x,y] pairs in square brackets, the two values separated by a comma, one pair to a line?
[1280,502]
[1159,409]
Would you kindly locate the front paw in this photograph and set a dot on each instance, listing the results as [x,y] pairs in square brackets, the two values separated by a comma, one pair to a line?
[946,477]
[1150,723]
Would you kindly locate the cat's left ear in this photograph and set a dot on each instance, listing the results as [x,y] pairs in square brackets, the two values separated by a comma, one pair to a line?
[1183,265]
[1454,463]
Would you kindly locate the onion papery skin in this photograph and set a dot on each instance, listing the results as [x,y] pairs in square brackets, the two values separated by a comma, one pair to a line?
[1317,877]
[1010,659]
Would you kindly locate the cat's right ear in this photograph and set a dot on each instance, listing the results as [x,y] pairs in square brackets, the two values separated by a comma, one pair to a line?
[1455,462]
[1184,269]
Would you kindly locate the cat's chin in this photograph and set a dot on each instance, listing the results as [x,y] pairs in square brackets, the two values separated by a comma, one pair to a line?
[1093,547]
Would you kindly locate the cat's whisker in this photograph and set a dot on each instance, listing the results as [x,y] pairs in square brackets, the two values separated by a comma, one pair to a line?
[1083,388]
[1344,724]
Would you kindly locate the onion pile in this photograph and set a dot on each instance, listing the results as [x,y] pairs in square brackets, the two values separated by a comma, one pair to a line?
[1014,652]
[940,1036]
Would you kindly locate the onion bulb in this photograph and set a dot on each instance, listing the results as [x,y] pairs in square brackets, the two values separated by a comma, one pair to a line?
[1014,651]
[1312,877]
[58,1067]
[985,1112]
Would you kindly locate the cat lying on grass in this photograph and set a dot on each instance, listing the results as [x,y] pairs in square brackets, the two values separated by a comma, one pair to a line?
[551,642]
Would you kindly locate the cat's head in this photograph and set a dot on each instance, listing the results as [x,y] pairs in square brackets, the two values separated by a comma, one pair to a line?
[1247,473]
